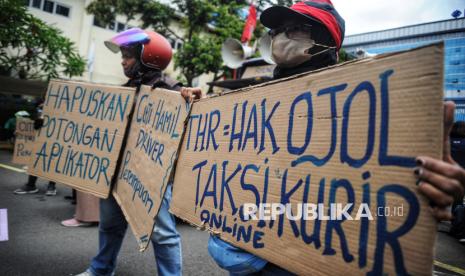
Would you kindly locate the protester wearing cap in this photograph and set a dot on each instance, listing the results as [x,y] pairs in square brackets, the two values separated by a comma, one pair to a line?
[145,55]
[305,37]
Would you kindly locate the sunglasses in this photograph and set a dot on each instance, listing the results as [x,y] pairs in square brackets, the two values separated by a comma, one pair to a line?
[295,32]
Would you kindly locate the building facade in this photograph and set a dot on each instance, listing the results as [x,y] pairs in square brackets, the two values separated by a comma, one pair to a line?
[451,32]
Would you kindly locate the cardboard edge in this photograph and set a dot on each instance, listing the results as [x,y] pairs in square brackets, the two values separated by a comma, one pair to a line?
[79,188]
[60,80]
[142,246]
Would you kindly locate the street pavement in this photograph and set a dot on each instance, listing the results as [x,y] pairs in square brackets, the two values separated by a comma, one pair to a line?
[39,245]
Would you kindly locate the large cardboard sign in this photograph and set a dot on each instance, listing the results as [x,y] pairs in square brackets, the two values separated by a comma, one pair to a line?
[80,141]
[315,173]
[25,136]
[149,158]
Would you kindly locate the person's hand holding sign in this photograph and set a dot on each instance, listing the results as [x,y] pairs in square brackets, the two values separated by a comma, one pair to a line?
[441,180]
[191,93]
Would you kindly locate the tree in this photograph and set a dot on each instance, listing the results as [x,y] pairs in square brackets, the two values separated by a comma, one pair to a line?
[151,13]
[31,49]
[201,52]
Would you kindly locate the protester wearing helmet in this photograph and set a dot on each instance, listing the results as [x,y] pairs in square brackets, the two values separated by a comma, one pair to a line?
[305,37]
[144,55]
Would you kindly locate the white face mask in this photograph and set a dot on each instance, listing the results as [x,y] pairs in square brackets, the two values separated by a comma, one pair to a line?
[288,53]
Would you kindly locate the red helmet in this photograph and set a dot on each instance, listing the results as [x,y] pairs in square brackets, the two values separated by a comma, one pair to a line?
[156,50]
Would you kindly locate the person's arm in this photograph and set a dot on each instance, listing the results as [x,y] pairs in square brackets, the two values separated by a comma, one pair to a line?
[441,181]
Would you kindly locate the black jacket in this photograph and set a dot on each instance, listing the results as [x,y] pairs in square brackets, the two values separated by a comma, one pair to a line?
[156,79]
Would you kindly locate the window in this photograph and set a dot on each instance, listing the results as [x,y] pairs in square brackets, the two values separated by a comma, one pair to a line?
[36,3]
[48,6]
[62,10]
[112,25]
[99,23]
[121,27]
[178,44]
[172,42]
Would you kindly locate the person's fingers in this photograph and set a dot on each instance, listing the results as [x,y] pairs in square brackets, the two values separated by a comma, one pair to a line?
[438,197]
[185,94]
[441,213]
[447,185]
[449,110]
[197,93]
[440,167]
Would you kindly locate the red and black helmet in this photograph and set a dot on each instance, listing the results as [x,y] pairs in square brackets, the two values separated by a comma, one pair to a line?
[156,51]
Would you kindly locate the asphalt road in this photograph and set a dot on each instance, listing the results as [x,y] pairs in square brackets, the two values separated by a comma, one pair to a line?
[39,245]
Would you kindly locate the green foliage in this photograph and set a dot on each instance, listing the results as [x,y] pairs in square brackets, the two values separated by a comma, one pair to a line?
[199,54]
[224,15]
[158,16]
[33,49]
[206,50]
[196,15]
[152,13]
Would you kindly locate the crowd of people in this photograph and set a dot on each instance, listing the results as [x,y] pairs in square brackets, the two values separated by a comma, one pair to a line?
[305,37]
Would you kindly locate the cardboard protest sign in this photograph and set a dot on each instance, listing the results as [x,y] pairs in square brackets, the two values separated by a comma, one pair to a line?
[25,136]
[80,141]
[315,173]
[149,157]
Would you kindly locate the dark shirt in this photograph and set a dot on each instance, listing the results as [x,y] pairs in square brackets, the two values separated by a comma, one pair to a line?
[156,79]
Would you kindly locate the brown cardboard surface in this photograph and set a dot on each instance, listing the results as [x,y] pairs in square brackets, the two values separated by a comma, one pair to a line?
[346,134]
[83,131]
[149,157]
[25,136]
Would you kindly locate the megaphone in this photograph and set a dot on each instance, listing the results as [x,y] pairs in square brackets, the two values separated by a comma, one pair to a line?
[264,46]
[234,53]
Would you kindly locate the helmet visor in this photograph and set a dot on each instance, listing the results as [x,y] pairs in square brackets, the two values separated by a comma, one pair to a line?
[127,38]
